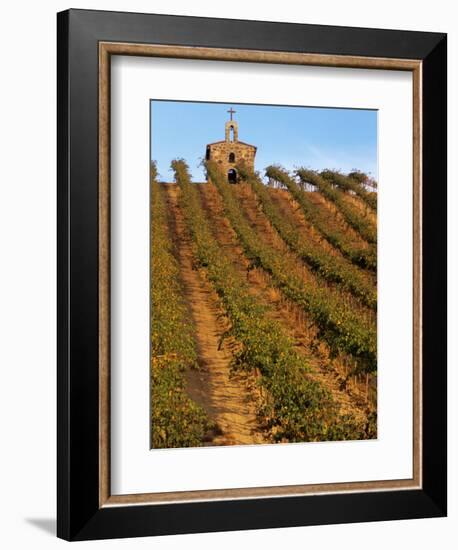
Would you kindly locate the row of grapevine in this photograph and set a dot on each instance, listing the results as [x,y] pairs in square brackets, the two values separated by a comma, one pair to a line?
[366,258]
[177,421]
[295,407]
[359,223]
[344,330]
[349,183]
[334,269]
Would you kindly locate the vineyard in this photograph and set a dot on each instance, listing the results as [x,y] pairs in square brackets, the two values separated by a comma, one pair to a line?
[263,307]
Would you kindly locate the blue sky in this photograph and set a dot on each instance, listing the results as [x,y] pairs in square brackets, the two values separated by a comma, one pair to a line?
[317,138]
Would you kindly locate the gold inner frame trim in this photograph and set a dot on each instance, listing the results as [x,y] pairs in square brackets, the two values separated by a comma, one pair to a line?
[106,50]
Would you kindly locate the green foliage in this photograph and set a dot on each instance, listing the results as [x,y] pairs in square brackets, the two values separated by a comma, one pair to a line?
[153,171]
[365,258]
[295,407]
[353,182]
[360,224]
[172,331]
[332,268]
[357,175]
[343,329]
[176,420]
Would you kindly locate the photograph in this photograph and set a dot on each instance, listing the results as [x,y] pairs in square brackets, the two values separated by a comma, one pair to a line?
[263,270]
[251,306]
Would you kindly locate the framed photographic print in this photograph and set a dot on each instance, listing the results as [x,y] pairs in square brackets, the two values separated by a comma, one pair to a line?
[252,274]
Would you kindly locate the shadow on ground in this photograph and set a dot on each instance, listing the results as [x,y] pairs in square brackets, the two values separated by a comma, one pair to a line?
[48,525]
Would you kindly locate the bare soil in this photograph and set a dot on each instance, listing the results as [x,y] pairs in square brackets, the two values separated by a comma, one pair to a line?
[360,206]
[330,373]
[336,220]
[230,399]
[293,212]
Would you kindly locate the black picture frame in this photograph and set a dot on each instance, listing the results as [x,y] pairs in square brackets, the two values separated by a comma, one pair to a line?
[78,511]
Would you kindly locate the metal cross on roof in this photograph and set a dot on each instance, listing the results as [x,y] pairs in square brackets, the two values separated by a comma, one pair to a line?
[231,111]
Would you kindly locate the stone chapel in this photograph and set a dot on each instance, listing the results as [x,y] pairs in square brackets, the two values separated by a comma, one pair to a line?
[229,152]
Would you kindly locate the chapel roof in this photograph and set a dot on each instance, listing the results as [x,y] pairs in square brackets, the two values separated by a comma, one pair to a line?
[224,141]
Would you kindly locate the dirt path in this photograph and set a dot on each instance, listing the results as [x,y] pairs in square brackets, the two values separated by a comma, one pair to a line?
[336,220]
[362,208]
[293,212]
[292,318]
[261,225]
[229,399]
